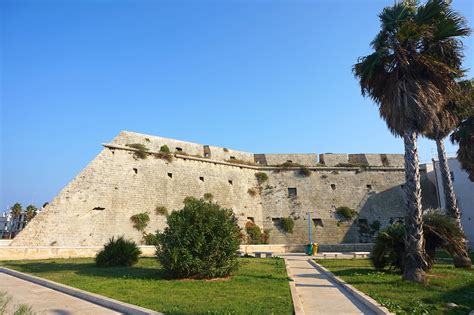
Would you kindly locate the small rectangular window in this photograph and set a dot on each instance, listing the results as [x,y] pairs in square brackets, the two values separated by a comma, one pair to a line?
[230,182]
[232,157]
[251,219]
[201,178]
[369,187]
[135,170]
[318,222]
[170,175]
[292,192]
[179,149]
[333,186]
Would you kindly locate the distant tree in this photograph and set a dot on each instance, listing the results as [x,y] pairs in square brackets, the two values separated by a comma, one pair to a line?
[31,212]
[463,134]
[16,210]
[45,204]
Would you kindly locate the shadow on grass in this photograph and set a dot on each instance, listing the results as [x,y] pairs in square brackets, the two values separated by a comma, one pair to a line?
[463,297]
[90,269]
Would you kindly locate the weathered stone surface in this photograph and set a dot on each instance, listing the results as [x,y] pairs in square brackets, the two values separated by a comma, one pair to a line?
[99,202]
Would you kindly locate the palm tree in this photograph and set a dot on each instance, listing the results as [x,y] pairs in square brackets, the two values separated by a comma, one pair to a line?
[464,133]
[411,85]
[16,210]
[448,119]
[30,212]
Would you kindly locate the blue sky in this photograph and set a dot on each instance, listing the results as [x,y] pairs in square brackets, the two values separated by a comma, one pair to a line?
[260,76]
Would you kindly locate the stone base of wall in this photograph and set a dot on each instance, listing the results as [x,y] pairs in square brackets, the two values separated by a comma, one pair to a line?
[50,252]
[341,248]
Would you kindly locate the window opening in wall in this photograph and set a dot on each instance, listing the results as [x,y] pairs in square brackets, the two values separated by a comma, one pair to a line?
[333,186]
[99,208]
[230,182]
[369,187]
[201,178]
[232,157]
[318,222]
[251,219]
[170,175]
[292,192]
[113,152]
[289,161]
[179,149]
[135,170]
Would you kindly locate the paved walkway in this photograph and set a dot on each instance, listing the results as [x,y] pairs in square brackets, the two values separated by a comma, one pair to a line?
[317,293]
[44,300]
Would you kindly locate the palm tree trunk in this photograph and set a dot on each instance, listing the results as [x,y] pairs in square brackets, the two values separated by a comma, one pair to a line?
[415,262]
[451,202]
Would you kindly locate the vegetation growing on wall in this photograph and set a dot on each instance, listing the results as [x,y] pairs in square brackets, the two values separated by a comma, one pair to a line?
[208,196]
[304,172]
[287,224]
[161,210]
[252,192]
[359,165]
[150,239]
[141,150]
[164,154]
[242,162]
[261,177]
[140,221]
[346,213]
[255,234]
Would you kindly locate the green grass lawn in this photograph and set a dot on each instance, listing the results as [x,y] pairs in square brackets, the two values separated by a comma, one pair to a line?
[259,287]
[445,285]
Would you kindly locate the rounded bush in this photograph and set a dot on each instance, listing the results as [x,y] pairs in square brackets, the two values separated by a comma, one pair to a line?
[118,252]
[200,241]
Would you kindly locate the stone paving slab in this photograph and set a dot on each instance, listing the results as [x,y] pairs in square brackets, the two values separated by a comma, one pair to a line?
[317,293]
[46,301]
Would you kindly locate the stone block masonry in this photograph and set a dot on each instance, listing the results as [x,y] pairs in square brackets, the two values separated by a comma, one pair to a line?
[99,202]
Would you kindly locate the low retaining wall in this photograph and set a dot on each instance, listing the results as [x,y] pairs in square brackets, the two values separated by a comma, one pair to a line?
[47,252]
[355,247]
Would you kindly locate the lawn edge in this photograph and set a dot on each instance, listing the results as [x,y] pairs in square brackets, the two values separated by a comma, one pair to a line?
[362,297]
[100,300]
[297,304]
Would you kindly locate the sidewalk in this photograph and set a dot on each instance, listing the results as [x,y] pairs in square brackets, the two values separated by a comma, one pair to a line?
[317,293]
[44,300]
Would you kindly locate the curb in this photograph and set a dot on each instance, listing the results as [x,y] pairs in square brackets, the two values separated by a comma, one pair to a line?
[362,297]
[100,300]
[297,304]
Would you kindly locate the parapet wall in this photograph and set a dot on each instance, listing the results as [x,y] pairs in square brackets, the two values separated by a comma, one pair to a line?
[116,185]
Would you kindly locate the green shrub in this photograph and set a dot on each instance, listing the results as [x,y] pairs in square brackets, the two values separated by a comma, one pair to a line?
[208,196]
[200,241]
[161,210]
[189,199]
[255,235]
[140,221]
[346,213]
[287,224]
[150,239]
[165,149]
[439,231]
[141,150]
[304,172]
[242,162]
[261,177]
[118,252]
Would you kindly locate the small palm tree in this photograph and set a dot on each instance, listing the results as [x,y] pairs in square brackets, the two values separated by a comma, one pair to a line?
[31,212]
[411,84]
[16,210]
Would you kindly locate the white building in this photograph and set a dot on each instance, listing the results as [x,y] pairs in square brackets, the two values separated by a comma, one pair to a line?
[464,190]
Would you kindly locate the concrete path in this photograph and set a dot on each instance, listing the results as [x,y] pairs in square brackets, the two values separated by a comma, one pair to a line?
[44,300]
[317,293]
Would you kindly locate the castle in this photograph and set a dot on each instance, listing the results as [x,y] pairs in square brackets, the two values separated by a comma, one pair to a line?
[118,184]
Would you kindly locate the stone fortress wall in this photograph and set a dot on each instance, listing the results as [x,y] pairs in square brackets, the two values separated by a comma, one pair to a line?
[98,203]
